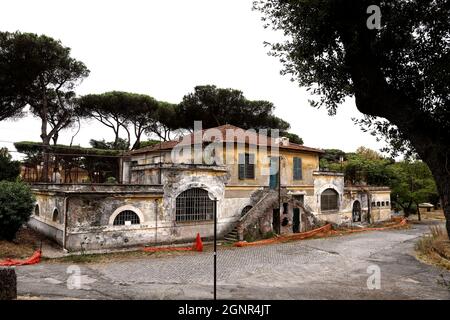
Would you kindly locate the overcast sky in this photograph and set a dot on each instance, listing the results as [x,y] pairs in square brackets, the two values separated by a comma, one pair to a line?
[164,48]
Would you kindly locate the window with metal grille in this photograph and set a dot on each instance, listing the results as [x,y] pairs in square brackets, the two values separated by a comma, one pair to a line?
[55,216]
[245,210]
[194,205]
[329,200]
[298,168]
[126,217]
[36,210]
[246,166]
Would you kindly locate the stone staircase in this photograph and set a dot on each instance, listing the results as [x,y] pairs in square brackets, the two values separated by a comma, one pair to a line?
[232,236]
[265,201]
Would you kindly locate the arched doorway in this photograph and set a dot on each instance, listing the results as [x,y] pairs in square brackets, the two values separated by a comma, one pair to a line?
[245,210]
[356,211]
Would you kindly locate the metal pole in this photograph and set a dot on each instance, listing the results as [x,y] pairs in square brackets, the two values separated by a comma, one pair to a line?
[279,195]
[215,249]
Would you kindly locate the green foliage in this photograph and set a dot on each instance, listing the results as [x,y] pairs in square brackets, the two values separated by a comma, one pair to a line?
[331,156]
[412,183]
[269,235]
[33,148]
[136,113]
[120,144]
[9,169]
[111,180]
[39,72]
[217,106]
[148,143]
[403,66]
[294,138]
[16,206]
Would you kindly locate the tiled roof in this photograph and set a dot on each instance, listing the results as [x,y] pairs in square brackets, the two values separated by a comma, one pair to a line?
[225,133]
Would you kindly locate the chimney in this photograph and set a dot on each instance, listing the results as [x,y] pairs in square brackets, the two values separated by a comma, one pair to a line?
[282,141]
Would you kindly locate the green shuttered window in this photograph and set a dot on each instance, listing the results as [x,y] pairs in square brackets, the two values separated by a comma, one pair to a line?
[246,166]
[298,175]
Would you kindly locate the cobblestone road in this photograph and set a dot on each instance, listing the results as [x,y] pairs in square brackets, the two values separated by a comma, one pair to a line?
[332,268]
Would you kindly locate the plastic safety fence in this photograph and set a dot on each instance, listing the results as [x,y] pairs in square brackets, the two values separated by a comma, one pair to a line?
[326,229]
[297,236]
[198,246]
[402,223]
[35,258]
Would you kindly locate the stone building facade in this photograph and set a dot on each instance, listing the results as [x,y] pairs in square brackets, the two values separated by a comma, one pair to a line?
[257,185]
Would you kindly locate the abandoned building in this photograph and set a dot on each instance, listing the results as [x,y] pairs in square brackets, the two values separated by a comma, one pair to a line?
[160,198]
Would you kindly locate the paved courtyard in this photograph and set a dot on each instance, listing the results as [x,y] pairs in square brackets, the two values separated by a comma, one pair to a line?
[330,268]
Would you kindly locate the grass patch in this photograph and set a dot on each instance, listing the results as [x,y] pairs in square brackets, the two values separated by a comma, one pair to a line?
[434,247]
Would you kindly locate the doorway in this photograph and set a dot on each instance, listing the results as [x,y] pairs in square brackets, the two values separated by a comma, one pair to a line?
[274,173]
[356,211]
[276,221]
[296,220]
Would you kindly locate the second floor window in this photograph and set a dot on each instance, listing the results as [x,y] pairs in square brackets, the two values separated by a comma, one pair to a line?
[246,166]
[298,174]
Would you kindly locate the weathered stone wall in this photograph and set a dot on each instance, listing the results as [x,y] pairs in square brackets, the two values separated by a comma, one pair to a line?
[48,203]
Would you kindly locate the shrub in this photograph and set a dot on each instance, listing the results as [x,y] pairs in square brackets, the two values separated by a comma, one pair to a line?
[16,206]
[9,169]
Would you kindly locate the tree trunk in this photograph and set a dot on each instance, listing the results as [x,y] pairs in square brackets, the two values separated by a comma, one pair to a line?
[442,178]
[55,138]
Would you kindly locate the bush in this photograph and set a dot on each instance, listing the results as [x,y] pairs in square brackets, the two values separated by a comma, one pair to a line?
[16,206]
[9,169]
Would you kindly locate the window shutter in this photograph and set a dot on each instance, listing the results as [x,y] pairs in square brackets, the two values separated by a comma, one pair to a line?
[250,166]
[298,174]
[241,164]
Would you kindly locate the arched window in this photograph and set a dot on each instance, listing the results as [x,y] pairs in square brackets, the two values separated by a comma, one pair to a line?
[329,200]
[36,210]
[245,210]
[194,205]
[55,216]
[126,218]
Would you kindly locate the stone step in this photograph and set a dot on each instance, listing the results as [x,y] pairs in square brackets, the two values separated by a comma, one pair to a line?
[230,239]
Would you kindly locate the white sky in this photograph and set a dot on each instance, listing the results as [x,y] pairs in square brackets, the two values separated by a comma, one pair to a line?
[164,48]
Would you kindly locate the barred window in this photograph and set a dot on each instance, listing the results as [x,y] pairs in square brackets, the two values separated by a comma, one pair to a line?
[329,200]
[194,205]
[126,217]
[55,216]
[36,210]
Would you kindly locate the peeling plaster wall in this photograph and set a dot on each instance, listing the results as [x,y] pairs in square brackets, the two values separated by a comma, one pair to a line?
[43,223]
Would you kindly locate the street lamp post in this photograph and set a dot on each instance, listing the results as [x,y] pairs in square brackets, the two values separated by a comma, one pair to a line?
[215,248]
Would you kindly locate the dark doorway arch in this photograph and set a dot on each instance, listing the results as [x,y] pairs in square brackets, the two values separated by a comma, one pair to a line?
[356,211]
[245,210]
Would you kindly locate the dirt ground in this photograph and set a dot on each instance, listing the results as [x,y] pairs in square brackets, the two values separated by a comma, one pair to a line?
[25,243]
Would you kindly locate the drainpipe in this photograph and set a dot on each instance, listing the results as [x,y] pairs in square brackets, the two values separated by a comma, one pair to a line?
[156,220]
[66,206]
[369,208]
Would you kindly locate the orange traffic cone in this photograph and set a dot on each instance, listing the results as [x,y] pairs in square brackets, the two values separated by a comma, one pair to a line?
[198,245]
